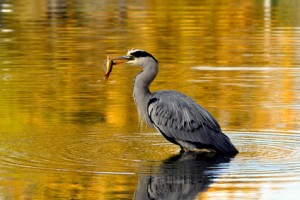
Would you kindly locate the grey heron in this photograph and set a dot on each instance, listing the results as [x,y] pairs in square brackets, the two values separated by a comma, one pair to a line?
[177,117]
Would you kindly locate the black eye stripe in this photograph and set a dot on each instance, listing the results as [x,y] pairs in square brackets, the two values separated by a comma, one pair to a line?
[139,54]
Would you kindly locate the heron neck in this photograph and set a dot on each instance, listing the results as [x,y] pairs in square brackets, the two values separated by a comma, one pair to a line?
[141,91]
[144,79]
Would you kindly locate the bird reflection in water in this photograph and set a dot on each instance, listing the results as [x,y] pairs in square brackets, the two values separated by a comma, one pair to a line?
[182,176]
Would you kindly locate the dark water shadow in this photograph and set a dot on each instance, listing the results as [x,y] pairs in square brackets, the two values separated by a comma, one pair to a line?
[182,176]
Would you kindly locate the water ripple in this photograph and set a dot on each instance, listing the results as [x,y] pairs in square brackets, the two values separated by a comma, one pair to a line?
[266,156]
[263,155]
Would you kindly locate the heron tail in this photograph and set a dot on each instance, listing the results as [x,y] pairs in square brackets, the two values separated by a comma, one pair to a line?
[223,144]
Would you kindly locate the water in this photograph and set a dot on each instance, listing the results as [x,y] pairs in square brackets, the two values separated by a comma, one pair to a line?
[65,133]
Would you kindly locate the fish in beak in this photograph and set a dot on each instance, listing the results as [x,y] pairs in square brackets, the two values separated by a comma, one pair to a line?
[110,62]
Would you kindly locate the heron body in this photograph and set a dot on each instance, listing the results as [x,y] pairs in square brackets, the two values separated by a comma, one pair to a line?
[177,117]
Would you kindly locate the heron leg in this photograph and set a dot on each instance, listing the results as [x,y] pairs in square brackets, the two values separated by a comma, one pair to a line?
[182,150]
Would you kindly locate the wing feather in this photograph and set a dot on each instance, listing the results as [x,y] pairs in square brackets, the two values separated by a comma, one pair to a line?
[181,119]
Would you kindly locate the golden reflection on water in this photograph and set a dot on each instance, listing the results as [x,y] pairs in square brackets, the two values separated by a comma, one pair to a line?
[67,133]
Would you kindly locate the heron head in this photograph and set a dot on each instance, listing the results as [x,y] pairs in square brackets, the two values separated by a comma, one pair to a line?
[136,57]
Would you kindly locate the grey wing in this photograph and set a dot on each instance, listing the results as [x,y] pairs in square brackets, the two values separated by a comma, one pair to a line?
[183,121]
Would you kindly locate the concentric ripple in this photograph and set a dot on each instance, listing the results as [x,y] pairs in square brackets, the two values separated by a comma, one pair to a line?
[263,155]
[268,161]
[89,153]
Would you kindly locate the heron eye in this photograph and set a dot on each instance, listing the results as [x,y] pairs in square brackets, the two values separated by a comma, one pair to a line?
[132,57]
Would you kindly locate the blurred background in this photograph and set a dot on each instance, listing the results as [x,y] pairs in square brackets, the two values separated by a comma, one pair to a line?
[67,133]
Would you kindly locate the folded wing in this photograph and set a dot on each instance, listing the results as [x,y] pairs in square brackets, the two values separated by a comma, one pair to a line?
[183,121]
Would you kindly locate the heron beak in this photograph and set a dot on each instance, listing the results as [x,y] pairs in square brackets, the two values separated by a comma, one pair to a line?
[121,59]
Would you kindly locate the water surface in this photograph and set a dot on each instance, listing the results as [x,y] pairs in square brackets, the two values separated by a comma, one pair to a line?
[65,133]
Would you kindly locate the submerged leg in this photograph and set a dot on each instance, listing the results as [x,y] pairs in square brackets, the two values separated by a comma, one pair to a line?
[182,150]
